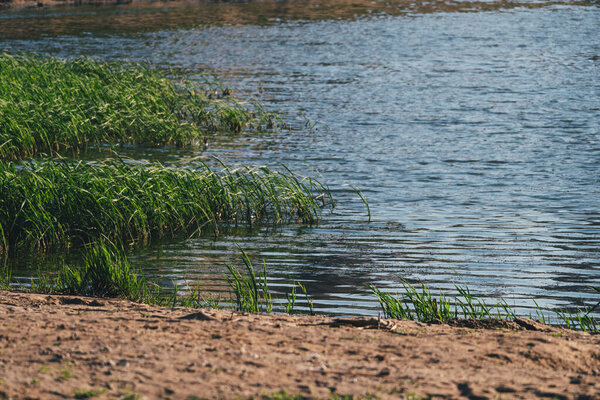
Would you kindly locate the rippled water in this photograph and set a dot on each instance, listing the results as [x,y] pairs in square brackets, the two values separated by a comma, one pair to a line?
[474,135]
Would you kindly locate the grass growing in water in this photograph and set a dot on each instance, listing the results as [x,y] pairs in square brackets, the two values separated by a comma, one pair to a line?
[424,307]
[48,105]
[53,205]
[421,305]
[252,293]
[104,272]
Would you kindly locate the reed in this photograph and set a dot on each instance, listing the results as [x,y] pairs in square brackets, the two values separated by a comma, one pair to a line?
[48,105]
[58,205]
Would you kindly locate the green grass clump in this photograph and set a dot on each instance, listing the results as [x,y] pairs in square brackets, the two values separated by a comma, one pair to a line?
[56,205]
[105,272]
[252,293]
[581,319]
[424,307]
[421,305]
[48,105]
[88,393]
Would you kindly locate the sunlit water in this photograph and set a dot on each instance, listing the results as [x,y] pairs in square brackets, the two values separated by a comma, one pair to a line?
[475,137]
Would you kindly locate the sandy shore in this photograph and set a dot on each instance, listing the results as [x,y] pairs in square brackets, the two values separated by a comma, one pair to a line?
[57,347]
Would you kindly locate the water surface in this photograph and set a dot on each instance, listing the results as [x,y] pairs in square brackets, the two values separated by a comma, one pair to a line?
[471,127]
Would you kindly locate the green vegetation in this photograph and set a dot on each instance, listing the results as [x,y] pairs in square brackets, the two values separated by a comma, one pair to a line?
[130,396]
[88,394]
[424,307]
[283,395]
[48,105]
[57,205]
[252,293]
[66,374]
[105,272]
[580,319]
[5,278]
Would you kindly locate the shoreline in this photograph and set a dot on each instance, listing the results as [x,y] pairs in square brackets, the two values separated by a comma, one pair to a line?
[16,4]
[55,346]
[362,4]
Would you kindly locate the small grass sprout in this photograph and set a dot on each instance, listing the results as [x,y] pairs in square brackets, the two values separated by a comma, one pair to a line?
[363,199]
[291,300]
[309,300]
[82,394]
[66,374]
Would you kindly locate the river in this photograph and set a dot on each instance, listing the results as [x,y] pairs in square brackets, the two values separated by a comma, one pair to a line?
[472,128]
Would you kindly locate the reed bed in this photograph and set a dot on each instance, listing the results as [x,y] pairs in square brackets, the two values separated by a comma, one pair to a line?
[48,105]
[54,205]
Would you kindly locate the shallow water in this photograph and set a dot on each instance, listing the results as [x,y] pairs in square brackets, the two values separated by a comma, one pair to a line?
[474,135]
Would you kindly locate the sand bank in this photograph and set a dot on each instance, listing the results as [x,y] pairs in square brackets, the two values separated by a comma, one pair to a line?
[56,347]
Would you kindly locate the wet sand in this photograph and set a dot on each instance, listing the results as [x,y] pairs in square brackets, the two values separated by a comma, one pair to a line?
[55,347]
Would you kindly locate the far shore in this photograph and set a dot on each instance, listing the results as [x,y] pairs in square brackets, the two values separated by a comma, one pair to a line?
[56,347]
[47,3]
